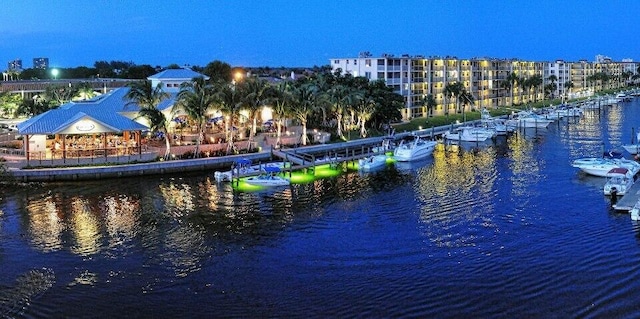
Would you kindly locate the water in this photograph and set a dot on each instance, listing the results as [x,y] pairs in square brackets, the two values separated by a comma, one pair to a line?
[505,231]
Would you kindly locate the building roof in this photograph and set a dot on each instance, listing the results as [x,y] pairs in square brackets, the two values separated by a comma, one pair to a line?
[104,112]
[177,74]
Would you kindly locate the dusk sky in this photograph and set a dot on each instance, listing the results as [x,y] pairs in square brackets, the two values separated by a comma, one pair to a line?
[309,32]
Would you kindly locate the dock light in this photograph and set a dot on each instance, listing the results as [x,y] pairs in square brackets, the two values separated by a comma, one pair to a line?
[420,127]
[55,73]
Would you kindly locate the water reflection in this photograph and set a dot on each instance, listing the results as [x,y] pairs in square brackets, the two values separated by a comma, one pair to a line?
[121,219]
[452,190]
[85,227]
[45,224]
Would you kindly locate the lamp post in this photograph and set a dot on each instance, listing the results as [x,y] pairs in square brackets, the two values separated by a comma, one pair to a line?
[54,72]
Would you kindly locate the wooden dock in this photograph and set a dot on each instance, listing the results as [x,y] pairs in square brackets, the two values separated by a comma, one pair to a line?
[627,201]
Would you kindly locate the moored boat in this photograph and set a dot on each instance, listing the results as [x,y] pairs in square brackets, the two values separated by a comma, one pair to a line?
[372,162]
[268,178]
[413,147]
[619,181]
[601,166]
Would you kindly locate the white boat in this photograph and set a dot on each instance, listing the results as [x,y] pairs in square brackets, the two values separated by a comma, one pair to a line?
[619,181]
[242,167]
[601,166]
[412,148]
[469,134]
[373,162]
[528,120]
[633,147]
[268,178]
[635,211]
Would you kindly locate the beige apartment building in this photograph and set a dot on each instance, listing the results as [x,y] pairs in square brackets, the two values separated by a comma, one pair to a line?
[487,80]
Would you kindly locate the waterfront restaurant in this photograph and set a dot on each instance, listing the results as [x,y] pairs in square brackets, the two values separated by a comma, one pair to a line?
[103,129]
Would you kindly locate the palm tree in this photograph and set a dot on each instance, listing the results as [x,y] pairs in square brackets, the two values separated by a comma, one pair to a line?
[567,88]
[304,99]
[512,79]
[341,97]
[85,91]
[553,80]
[255,95]
[453,90]
[228,97]
[430,103]
[196,99]
[534,82]
[280,97]
[148,98]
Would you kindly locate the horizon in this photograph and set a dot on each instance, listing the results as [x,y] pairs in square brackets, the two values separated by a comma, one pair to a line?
[291,34]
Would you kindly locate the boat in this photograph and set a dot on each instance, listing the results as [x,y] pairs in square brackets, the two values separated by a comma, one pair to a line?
[601,166]
[412,148]
[373,162]
[242,167]
[635,211]
[634,146]
[469,134]
[526,119]
[619,181]
[269,177]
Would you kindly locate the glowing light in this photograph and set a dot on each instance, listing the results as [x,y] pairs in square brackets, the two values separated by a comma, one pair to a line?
[55,73]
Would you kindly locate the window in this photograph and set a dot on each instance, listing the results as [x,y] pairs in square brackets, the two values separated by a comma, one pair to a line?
[380,61]
[347,61]
[367,75]
[355,62]
[367,62]
[336,61]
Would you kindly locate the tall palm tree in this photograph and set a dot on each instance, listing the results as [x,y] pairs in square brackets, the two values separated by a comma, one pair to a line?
[341,97]
[453,90]
[228,98]
[255,96]
[280,97]
[512,79]
[534,82]
[552,78]
[196,98]
[304,99]
[430,103]
[148,98]
[567,88]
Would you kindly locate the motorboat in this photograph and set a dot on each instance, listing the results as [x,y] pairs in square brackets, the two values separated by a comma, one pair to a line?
[528,120]
[601,166]
[635,211]
[619,181]
[634,146]
[242,167]
[386,145]
[469,134]
[269,177]
[413,147]
[373,162]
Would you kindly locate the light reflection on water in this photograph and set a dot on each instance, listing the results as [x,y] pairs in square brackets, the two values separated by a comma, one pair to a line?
[509,230]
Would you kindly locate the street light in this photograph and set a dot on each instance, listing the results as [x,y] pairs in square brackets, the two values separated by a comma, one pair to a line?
[54,72]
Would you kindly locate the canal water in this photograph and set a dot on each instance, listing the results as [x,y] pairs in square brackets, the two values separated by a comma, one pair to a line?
[500,231]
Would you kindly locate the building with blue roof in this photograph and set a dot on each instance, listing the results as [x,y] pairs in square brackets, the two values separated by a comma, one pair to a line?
[109,120]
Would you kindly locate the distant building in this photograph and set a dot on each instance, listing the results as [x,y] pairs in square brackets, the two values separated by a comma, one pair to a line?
[15,65]
[41,63]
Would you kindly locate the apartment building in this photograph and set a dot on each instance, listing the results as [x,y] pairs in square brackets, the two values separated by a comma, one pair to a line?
[488,80]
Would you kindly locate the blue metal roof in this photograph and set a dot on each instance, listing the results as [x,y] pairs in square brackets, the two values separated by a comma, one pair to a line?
[104,110]
[177,74]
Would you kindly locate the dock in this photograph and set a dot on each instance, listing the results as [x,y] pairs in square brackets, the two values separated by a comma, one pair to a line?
[629,199]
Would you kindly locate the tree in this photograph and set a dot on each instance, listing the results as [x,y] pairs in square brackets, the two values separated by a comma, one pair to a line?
[567,87]
[60,94]
[148,98]
[304,97]
[534,82]
[228,98]
[453,90]
[551,86]
[511,80]
[430,103]
[218,71]
[255,96]
[196,99]
[281,99]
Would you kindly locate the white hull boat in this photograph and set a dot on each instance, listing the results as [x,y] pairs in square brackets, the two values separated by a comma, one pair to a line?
[470,134]
[269,178]
[413,148]
[619,181]
[373,162]
[631,148]
[601,166]
[243,167]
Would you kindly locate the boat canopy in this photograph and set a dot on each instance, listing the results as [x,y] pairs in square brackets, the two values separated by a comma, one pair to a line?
[615,172]
[243,161]
[272,169]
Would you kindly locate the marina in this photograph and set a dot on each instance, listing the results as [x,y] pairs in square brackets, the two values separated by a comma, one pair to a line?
[482,231]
